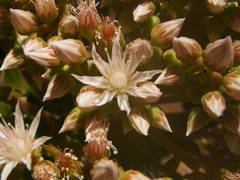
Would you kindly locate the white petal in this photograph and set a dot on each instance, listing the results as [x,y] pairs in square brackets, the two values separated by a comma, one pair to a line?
[96,81]
[143,76]
[19,123]
[123,102]
[102,66]
[7,169]
[132,64]
[117,58]
[34,125]
[28,161]
[38,142]
[106,97]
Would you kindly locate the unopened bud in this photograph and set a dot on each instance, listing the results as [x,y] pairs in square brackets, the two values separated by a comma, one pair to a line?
[186,49]
[44,57]
[45,170]
[170,58]
[23,21]
[141,50]
[46,10]
[69,25]
[70,51]
[32,44]
[171,75]
[57,87]
[219,55]
[231,84]
[134,175]
[140,120]
[213,104]
[13,60]
[105,170]
[159,119]
[163,34]
[216,6]
[197,119]
[86,99]
[143,11]
[72,121]
[236,49]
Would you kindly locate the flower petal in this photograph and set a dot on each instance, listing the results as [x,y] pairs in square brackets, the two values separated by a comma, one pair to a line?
[96,81]
[38,142]
[7,169]
[34,125]
[28,161]
[102,66]
[19,123]
[132,64]
[143,76]
[117,58]
[106,97]
[123,102]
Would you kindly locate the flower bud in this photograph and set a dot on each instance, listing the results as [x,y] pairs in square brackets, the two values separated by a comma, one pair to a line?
[4,17]
[46,10]
[219,55]
[134,175]
[70,51]
[159,119]
[140,120]
[171,75]
[87,97]
[57,87]
[32,44]
[23,21]
[143,11]
[105,170]
[69,25]
[141,50]
[72,121]
[216,6]
[231,84]
[186,49]
[197,119]
[236,50]
[213,104]
[13,60]
[45,170]
[44,57]
[163,34]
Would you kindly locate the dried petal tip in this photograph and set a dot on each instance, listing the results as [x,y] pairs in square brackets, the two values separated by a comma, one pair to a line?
[70,51]
[231,83]
[187,50]
[216,6]
[163,34]
[13,60]
[134,175]
[219,55]
[143,11]
[105,170]
[23,21]
[213,104]
[69,25]
[46,10]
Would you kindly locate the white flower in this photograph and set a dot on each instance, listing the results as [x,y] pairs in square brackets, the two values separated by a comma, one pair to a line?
[17,143]
[119,79]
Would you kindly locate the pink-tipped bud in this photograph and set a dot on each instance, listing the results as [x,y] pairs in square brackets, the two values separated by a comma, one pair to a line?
[13,60]
[32,44]
[213,104]
[46,10]
[69,25]
[231,83]
[236,49]
[186,49]
[140,49]
[70,51]
[171,75]
[216,6]
[140,120]
[163,34]
[105,170]
[219,55]
[134,175]
[143,11]
[45,170]
[23,21]
[44,57]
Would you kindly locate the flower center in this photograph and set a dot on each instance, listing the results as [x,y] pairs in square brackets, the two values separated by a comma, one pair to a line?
[118,80]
